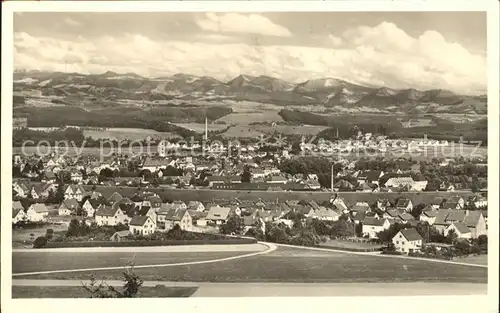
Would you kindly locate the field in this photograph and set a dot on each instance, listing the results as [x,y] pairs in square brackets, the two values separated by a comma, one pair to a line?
[288,265]
[242,131]
[251,117]
[307,130]
[20,235]
[200,127]
[120,134]
[348,197]
[479,259]
[32,261]
[31,292]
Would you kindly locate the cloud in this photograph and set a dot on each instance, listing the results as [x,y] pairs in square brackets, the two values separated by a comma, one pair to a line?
[380,55]
[241,23]
[336,41]
[71,22]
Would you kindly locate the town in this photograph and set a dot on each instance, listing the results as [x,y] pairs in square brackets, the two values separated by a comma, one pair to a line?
[370,198]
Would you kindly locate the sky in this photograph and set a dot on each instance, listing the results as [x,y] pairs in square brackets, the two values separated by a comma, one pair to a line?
[422,50]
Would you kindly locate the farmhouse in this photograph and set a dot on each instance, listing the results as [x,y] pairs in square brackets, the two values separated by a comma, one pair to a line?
[428,216]
[196,206]
[218,215]
[460,229]
[18,215]
[90,206]
[74,192]
[474,220]
[142,225]
[110,216]
[21,188]
[407,241]
[372,226]
[169,218]
[68,207]
[404,204]
[148,211]
[37,212]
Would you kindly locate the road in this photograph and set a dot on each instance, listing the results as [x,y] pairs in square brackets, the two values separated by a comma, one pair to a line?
[293,289]
[271,264]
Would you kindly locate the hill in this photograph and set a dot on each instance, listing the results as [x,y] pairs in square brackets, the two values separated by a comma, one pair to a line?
[327,92]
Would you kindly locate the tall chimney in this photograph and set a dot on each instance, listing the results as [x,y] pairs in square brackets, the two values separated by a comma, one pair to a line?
[331,180]
[206,128]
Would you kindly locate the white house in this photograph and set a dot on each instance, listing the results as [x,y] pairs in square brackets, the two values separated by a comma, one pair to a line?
[149,211]
[217,214]
[372,226]
[90,206]
[18,215]
[428,216]
[196,206]
[37,212]
[68,207]
[110,216]
[74,192]
[460,229]
[404,204]
[407,240]
[399,181]
[142,225]
[170,217]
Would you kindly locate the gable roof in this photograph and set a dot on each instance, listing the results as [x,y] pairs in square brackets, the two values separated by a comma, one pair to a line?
[115,197]
[17,205]
[139,220]
[174,214]
[218,213]
[372,221]
[71,203]
[462,228]
[15,212]
[40,207]
[144,210]
[403,202]
[411,234]
[107,211]
[472,218]
[406,216]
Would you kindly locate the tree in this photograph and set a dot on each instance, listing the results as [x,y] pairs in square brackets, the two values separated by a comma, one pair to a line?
[386,235]
[451,237]
[132,284]
[59,195]
[246,176]
[342,229]
[417,210]
[234,224]
[40,242]
[77,229]
[482,240]
[359,229]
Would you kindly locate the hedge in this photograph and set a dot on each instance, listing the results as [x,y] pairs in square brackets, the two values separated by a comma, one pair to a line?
[350,249]
[391,252]
[147,243]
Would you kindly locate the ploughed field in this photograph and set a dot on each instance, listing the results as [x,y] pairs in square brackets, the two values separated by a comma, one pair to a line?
[282,265]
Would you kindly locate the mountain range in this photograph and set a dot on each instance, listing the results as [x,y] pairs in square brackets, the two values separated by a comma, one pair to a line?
[328,92]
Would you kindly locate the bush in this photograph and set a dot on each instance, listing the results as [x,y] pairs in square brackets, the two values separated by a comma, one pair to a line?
[40,242]
[132,283]
[147,243]
[391,252]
